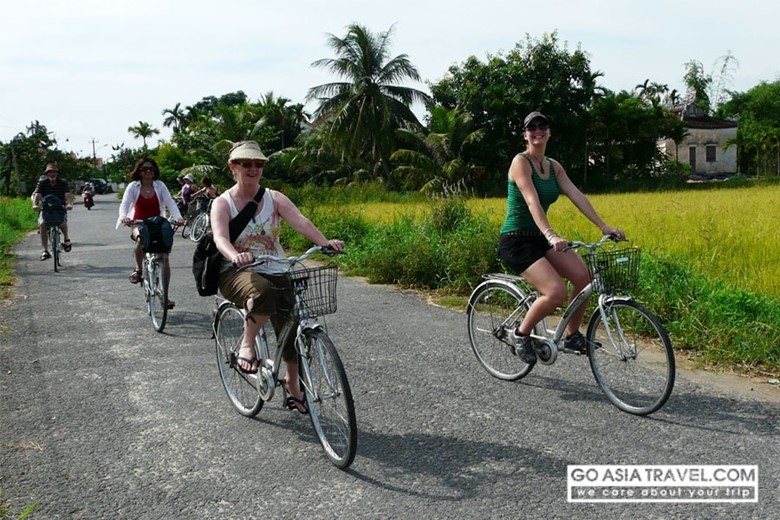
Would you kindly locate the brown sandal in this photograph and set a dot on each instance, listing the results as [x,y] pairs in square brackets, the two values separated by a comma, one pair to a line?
[136,276]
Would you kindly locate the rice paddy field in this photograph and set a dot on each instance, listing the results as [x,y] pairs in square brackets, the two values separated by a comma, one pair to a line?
[726,234]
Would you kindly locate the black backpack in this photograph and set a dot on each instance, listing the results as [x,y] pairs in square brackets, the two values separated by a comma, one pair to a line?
[156,235]
[207,260]
[52,210]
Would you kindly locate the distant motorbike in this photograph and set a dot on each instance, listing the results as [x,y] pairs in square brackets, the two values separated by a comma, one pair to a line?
[89,201]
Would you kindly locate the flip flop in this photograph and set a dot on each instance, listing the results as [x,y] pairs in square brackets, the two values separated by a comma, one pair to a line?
[45,255]
[293,403]
[67,245]
[253,364]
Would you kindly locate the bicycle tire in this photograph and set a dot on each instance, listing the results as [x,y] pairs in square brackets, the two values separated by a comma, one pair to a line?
[631,357]
[329,398]
[186,228]
[199,227]
[158,294]
[54,244]
[243,390]
[494,309]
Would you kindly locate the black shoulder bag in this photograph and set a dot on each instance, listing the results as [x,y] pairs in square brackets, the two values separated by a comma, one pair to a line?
[207,260]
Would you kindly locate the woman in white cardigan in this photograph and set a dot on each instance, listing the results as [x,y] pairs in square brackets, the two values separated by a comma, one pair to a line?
[146,197]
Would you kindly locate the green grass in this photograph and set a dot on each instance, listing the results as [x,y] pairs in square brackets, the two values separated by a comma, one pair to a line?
[17,218]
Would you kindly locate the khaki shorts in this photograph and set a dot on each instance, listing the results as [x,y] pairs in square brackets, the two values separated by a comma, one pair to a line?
[272,294]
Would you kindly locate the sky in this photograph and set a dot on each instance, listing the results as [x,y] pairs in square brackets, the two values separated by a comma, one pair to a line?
[89,69]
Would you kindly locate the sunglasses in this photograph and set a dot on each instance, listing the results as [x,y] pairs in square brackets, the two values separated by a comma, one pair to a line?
[148,169]
[534,127]
[248,164]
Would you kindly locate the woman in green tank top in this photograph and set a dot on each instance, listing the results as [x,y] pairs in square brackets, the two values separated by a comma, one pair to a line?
[528,243]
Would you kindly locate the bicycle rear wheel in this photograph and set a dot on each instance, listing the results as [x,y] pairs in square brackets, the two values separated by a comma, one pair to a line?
[495,309]
[243,390]
[329,398]
[157,293]
[631,357]
[199,227]
[186,229]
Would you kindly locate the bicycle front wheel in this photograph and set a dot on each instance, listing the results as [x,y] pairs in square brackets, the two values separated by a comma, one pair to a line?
[157,294]
[631,357]
[199,227]
[54,244]
[243,390]
[329,398]
[495,309]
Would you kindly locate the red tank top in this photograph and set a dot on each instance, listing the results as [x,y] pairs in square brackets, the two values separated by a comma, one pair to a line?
[145,208]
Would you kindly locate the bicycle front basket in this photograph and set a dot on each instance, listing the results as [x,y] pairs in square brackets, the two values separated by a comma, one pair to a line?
[614,271]
[319,289]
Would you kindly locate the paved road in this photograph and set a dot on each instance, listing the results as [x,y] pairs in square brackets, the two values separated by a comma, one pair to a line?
[101,417]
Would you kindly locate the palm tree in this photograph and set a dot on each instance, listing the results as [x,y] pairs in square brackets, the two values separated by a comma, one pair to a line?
[175,119]
[438,159]
[365,110]
[289,119]
[143,130]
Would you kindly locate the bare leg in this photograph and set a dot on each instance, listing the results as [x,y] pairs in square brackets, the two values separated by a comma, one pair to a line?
[44,237]
[552,292]
[252,325]
[571,267]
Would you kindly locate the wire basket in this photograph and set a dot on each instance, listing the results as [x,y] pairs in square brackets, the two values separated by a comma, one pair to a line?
[318,289]
[614,271]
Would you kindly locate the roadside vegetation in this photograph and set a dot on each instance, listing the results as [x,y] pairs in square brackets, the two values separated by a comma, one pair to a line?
[704,275]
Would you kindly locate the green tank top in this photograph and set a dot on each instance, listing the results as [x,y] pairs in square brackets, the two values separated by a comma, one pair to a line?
[518,216]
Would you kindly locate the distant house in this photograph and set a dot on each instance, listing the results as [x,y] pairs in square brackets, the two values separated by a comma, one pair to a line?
[704,146]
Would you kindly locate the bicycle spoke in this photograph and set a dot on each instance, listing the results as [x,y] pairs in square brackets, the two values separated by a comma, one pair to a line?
[243,390]
[631,357]
[495,309]
[329,398]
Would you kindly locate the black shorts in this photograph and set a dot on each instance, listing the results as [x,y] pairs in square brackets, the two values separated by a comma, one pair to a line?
[519,250]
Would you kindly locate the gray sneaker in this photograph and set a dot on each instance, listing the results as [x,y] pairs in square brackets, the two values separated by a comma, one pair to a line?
[524,347]
[576,342]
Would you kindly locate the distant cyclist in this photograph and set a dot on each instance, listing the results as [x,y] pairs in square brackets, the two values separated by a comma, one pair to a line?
[51,184]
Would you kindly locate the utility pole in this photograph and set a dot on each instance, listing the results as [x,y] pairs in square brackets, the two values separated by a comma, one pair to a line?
[94,153]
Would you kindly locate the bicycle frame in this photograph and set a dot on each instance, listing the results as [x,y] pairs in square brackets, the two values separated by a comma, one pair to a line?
[270,373]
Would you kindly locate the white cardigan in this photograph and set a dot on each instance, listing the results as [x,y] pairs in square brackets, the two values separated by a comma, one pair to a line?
[133,190]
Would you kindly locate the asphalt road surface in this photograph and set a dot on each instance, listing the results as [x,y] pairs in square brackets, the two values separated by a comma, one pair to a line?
[102,417]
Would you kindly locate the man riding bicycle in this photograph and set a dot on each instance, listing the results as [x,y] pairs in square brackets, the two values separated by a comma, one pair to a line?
[50,184]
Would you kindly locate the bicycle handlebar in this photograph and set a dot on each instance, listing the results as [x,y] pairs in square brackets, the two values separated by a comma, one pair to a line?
[575,244]
[261,259]
[138,222]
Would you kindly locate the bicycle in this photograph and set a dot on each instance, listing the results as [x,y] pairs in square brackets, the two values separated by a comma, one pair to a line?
[155,286]
[202,222]
[628,348]
[322,375]
[53,215]
[189,212]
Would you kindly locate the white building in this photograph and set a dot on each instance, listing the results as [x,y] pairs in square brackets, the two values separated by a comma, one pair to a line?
[704,146]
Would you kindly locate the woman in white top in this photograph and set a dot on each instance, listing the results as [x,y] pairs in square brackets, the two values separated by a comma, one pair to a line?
[146,197]
[265,293]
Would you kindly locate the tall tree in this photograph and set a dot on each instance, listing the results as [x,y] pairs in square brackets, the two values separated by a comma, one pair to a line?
[143,130]
[758,135]
[536,75]
[175,118]
[364,111]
